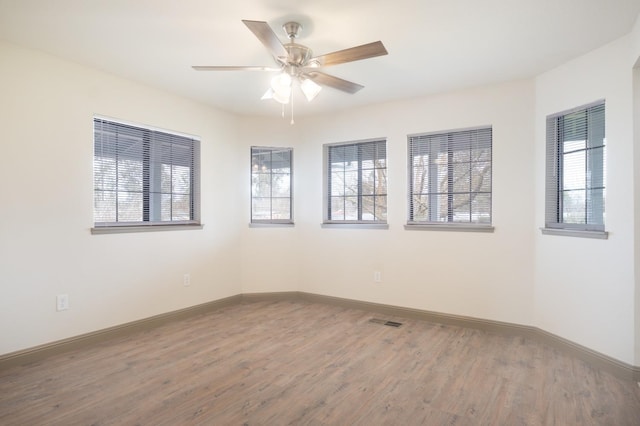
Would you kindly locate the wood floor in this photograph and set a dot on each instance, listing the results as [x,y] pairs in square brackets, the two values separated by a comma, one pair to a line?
[302,363]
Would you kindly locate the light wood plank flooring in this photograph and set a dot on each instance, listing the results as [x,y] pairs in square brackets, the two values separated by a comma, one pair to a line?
[303,363]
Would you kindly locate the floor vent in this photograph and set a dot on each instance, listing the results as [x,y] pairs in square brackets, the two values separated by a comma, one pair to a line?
[385,322]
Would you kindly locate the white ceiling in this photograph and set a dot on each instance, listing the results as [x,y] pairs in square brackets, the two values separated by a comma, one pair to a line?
[434,45]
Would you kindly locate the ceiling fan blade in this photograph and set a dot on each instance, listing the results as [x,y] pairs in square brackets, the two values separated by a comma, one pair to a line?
[357,53]
[231,68]
[265,34]
[335,82]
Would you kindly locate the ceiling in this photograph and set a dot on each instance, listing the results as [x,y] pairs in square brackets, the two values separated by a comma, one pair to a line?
[434,45]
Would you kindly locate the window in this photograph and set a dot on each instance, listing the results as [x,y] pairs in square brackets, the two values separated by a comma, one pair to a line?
[271,200]
[450,177]
[144,176]
[575,176]
[356,184]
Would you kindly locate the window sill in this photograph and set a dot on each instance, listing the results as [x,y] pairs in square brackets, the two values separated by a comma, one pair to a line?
[454,227]
[271,225]
[142,228]
[355,225]
[600,235]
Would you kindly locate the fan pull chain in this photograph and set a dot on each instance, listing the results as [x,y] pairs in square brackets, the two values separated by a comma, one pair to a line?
[292,122]
[282,110]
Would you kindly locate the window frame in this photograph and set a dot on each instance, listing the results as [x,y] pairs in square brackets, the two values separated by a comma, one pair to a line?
[554,176]
[448,225]
[153,136]
[360,223]
[271,222]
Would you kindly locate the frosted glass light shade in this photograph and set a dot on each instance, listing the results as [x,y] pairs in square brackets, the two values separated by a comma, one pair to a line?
[281,86]
[310,89]
[270,94]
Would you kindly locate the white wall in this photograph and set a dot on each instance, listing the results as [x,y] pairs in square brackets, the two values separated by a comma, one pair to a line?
[46,206]
[584,288]
[636,180]
[474,274]
[635,60]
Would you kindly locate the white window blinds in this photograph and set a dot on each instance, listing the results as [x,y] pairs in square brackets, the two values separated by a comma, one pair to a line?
[144,176]
[450,177]
[575,169]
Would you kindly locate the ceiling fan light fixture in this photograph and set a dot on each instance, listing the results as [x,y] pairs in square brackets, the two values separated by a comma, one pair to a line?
[280,89]
[281,83]
[282,98]
[268,94]
[310,88]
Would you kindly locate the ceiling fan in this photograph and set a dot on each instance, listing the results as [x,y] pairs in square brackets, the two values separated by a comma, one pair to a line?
[297,63]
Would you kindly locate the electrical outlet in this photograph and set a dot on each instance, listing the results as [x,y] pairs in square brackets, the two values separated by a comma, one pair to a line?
[62,302]
[377,276]
[186,280]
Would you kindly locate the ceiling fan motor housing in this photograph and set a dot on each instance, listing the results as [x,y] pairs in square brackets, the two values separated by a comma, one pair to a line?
[292,29]
[299,55]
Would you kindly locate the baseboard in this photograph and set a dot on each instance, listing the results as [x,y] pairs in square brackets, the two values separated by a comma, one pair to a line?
[430,316]
[270,296]
[606,363]
[596,359]
[43,351]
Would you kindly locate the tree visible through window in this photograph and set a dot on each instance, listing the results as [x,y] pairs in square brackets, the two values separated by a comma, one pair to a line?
[271,199]
[576,158]
[144,176]
[450,177]
[356,182]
